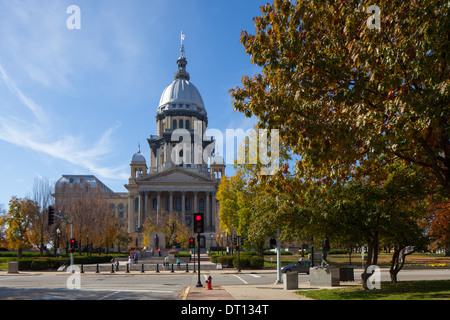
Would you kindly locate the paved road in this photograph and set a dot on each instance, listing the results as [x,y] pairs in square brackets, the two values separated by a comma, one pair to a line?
[149,286]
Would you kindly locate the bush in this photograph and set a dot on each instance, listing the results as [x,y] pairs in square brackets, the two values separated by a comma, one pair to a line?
[256,262]
[183,254]
[243,261]
[226,261]
[273,253]
[213,258]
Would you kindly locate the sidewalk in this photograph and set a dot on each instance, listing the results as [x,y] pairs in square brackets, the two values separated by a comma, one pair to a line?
[247,292]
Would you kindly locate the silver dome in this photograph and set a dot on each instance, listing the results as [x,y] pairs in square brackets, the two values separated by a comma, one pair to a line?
[181,94]
[138,157]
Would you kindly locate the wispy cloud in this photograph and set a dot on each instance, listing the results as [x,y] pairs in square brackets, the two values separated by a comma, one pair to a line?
[31,130]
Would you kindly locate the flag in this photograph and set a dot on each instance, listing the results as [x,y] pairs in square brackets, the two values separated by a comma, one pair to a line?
[182,35]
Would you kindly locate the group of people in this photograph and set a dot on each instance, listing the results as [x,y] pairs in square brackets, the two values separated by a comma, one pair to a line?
[133,258]
[152,252]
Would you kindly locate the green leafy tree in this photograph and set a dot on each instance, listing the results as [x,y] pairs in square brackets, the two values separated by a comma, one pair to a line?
[349,99]
[368,213]
[18,222]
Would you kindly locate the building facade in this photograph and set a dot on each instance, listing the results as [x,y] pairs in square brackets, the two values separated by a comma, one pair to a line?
[180,178]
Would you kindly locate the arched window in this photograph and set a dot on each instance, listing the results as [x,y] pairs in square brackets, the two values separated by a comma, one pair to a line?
[174,124]
[188,124]
[181,124]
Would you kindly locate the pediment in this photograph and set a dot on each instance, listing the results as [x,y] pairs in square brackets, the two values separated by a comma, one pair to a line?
[177,175]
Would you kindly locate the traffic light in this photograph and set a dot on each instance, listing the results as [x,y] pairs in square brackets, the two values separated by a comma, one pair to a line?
[73,244]
[51,215]
[191,243]
[235,240]
[198,223]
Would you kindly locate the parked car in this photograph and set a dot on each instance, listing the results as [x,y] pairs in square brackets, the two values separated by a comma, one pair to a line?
[299,266]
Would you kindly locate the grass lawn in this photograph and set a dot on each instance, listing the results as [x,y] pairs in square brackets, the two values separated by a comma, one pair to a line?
[404,290]
[384,260]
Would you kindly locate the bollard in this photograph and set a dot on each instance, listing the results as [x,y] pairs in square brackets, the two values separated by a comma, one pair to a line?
[172,269]
[82,269]
[187,267]
[128,268]
[98,271]
[142,271]
[157,268]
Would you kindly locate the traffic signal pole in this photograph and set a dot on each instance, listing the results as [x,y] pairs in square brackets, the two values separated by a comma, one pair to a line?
[52,214]
[199,283]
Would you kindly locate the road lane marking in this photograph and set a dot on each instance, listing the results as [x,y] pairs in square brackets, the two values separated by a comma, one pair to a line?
[108,295]
[254,275]
[240,279]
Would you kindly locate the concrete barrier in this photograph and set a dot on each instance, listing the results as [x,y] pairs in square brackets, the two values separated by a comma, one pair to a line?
[290,281]
[324,277]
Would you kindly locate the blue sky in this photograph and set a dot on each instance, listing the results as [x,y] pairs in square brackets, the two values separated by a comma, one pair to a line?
[80,101]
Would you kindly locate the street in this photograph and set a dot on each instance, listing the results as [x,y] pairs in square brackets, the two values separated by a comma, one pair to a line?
[150,286]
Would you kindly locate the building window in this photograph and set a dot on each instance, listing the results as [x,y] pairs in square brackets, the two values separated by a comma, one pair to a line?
[178,204]
[121,211]
[155,204]
[201,205]
[181,124]
[174,124]
[112,208]
[136,204]
[167,203]
[187,124]
[187,204]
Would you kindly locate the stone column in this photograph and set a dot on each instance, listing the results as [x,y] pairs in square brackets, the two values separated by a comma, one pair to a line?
[131,225]
[141,209]
[158,205]
[195,202]
[208,210]
[213,209]
[183,208]
[170,203]
[146,194]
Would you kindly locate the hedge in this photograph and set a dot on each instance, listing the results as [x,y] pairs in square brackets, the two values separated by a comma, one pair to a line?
[251,262]
[54,263]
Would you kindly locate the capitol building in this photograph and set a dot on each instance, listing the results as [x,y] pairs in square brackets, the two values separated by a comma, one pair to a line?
[171,181]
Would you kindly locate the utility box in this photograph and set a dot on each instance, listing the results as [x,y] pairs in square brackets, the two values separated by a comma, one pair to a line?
[13,267]
[347,274]
[290,281]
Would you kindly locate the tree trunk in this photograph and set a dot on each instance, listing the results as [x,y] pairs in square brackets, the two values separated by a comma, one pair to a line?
[397,262]
[261,249]
[372,259]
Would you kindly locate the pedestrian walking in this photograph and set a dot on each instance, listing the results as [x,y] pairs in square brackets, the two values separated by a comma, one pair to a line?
[178,264]
[136,258]
[159,252]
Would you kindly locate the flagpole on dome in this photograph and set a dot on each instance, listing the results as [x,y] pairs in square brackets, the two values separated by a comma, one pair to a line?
[183,36]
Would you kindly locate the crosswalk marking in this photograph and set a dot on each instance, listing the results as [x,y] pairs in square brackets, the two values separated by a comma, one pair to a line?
[254,275]
[240,279]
